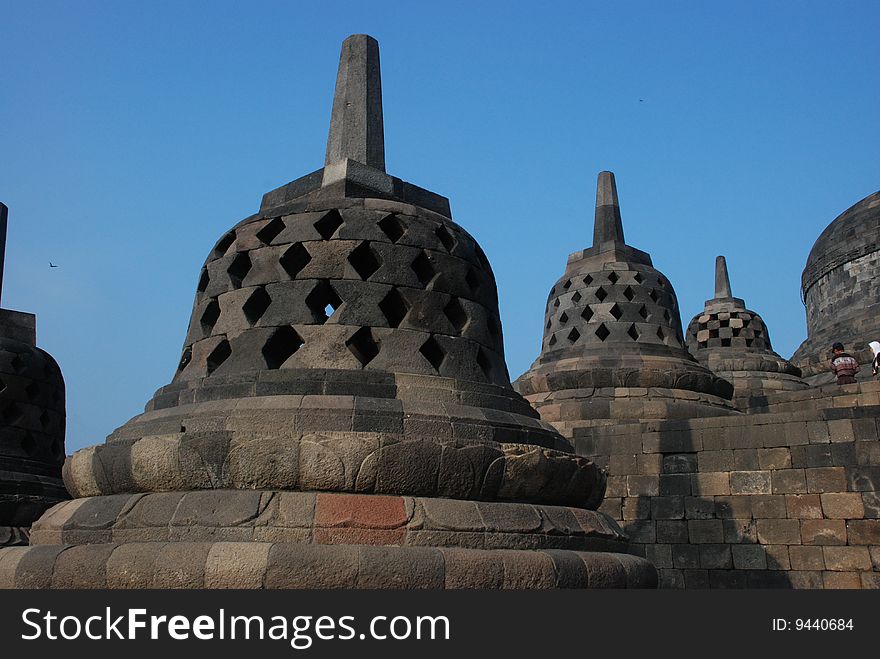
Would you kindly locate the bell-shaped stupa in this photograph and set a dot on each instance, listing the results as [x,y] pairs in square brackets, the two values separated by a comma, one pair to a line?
[341,415]
[613,348]
[32,421]
[733,342]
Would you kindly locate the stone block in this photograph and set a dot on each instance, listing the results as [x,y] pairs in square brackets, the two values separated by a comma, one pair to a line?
[312,566]
[843,559]
[745,459]
[715,556]
[705,531]
[83,566]
[699,508]
[777,557]
[668,507]
[841,580]
[768,506]
[733,507]
[638,507]
[740,530]
[711,484]
[472,570]
[823,532]
[749,557]
[670,484]
[672,531]
[863,531]
[826,479]
[803,506]
[843,505]
[643,485]
[788,481]
[237,565]
[685,556]
[750,482]
[806,558]
[716,461]
[774,458]
[696,579]
[779,531]
[679,463]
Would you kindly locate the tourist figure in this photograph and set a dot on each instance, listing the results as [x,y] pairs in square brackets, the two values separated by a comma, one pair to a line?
[844,365]
[875,363]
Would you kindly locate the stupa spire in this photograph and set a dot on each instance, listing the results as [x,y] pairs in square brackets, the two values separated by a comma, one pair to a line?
[356,126]
[722,279]
[608,225]
[4,218]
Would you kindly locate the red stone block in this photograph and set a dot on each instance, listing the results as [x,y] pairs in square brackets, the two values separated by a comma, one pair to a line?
[362,511]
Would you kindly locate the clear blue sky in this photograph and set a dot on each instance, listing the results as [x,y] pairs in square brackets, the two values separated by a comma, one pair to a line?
[133,134]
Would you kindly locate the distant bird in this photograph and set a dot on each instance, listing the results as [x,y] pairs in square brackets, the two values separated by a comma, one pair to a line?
[641,100]
[52,265]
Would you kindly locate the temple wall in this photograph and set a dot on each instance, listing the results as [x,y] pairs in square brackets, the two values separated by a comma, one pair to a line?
[785,496]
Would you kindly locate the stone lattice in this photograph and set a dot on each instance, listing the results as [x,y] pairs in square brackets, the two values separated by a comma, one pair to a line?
[32,423]
[613,346]
[734,343]
[341,414]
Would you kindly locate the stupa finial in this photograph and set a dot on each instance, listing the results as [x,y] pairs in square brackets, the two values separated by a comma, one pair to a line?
[722,279]
[608,226]
[4,218]
[356,128]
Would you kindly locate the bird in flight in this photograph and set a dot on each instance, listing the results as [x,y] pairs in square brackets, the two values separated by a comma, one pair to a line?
[52,265]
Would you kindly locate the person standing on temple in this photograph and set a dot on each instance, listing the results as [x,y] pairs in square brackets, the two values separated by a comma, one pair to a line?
[844,365]
[875,363]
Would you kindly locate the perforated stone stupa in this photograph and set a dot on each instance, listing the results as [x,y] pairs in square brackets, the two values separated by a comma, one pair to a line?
[341,415]
[733,342]
[32,421]
[613,348]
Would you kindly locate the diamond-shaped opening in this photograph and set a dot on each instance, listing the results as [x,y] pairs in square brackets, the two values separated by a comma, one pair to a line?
[204,279]
[45,420]
[654,295]
[210,316]
[567,285]
[29,444]
[616,311]
[588,280]
[563,318]
[17,363]
[713,333]
[223,245]
[576,297]
[749,342]
[12,413]
[725,343]
[280,346]
[295,259]
[574,335]
[484,363]
[363,346]
[446,238]
[256,305]
[666,315]
[364,260]
[238,269]
[394,307]
[736,331]
[269,232]
[218,355]
[549,323]
[586,314]
[638,278]
[643,312]
[628,293]
[185,358]
[602,332]
[392,227]
[552,340]
[329,224]
[456,314]
[433,352]
[32,390]
[601,294]
[473,280]
[613,277]
[323,301]
[724,323]
[633,332]
[421,265]
[556,302]
[662,336]
[57,448]
[661,282]
[758,334]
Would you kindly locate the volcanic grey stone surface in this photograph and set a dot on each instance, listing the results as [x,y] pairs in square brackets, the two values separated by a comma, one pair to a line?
[613,346]
[341,414]
[734,343]
[32,423]
[840,286]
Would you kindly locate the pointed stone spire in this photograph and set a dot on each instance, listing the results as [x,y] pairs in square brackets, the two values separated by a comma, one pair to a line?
[722,280]
[356,127]
[608,226]
[4,216]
